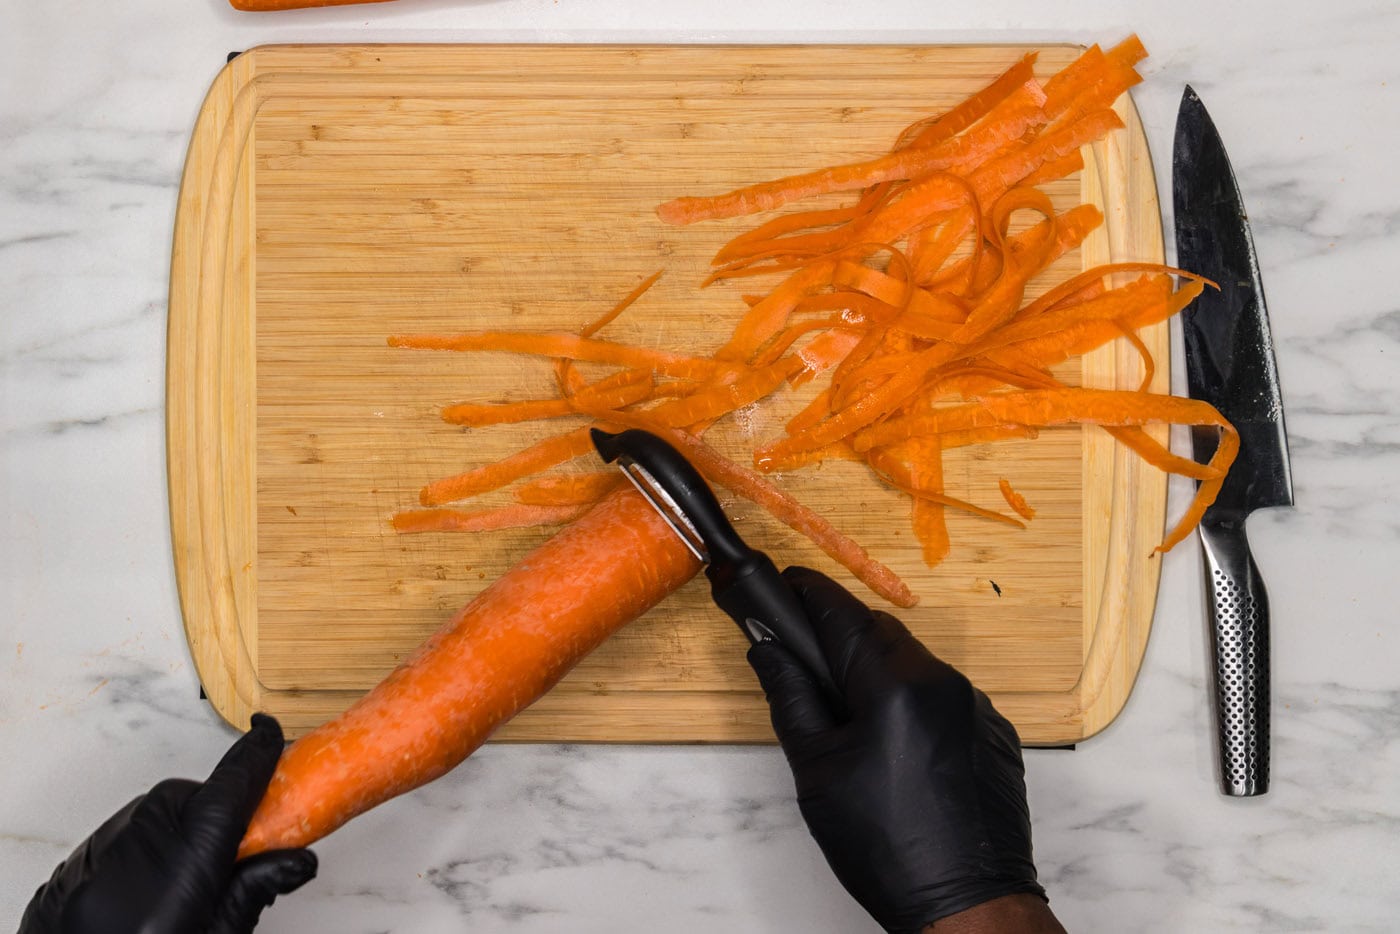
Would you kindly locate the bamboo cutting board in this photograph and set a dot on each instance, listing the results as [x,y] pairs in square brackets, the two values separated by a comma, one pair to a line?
[334,195]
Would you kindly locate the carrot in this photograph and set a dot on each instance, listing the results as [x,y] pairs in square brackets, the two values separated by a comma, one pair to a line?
[615,392]
[1084,406]
[1009,119]
[489,477]
[564,372]
[493,659]
[936,129]
[1015,500]
[923,483]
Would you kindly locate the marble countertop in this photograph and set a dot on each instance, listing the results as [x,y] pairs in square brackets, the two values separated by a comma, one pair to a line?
[98,696]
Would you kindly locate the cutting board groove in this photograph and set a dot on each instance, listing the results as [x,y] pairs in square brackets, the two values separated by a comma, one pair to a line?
[336,194]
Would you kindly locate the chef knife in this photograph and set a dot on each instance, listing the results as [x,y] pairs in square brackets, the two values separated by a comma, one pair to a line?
[1230,364]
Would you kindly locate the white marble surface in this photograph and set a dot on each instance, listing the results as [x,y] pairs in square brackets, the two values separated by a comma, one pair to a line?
[97,695]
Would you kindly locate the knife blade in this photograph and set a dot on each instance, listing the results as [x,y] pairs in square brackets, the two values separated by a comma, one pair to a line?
[1230,364]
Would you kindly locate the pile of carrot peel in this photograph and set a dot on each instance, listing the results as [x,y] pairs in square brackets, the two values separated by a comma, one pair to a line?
[909,301]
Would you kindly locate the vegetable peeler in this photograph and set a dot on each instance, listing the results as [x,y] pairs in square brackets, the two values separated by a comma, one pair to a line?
[744,582]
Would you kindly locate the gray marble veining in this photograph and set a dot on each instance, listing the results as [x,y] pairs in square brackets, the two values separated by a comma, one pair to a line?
[98,699]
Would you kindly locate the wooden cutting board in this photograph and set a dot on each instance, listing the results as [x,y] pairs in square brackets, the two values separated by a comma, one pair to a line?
[334,195]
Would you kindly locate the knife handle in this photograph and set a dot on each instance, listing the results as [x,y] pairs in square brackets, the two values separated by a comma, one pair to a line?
[1239,612]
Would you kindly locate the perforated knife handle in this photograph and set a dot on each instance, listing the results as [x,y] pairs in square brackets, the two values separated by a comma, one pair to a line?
[1239,612]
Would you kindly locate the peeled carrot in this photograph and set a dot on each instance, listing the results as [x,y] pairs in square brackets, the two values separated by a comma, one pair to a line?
[497,656]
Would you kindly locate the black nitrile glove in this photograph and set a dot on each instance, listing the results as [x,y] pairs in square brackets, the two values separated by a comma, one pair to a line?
[164,864]
[915,792]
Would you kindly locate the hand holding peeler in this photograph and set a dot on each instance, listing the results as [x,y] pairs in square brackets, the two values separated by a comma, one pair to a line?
[744,582]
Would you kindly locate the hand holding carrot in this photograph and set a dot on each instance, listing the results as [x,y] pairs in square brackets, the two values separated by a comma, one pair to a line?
[164,864]
[914,790]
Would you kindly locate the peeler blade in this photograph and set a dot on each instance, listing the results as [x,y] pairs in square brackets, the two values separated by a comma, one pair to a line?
[665,506]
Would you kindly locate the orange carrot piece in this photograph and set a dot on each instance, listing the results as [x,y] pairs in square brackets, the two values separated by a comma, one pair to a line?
[1070,288]
[1009,119]
[608,394]
[531,460]
[932,130]
[479,415]
[564,368]
[931,528]
[716,400]
[494,658]
[1056,169]
[896,473]
[1049,338]
[822,353]
[1063,86]
[1149,366]
[812,413]
[789,335]
[856,306]
[515,516]
[1071,228]
[1000,174]
[1015,500]
[903,383]
[769,316]
[1100,86]
[927,515]
[1081,406]
[933,245]
[771,236]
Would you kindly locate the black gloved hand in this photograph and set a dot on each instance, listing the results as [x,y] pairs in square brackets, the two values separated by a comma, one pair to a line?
[164,864]
[915,792]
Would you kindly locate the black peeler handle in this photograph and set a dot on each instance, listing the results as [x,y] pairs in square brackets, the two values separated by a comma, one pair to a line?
[744,581]
[754,594]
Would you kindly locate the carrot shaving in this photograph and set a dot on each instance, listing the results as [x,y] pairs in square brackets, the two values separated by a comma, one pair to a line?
[1015,500]
[933,130]
[1149,366]
[564,372]
[611,393]
[1080,406]
[1011,117]
[924,484]
[532,460]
